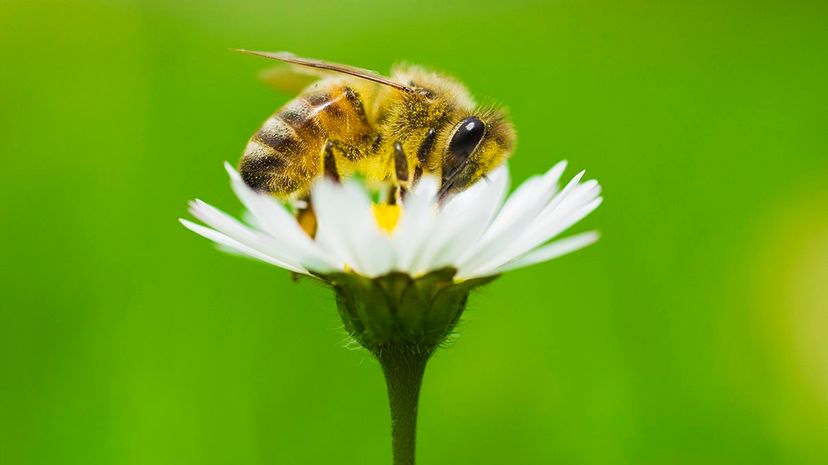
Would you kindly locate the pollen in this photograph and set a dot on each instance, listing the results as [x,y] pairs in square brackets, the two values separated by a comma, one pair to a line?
[307,221]
[387,216]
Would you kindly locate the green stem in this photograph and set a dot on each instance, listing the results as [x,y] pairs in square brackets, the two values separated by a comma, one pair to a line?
[403,368]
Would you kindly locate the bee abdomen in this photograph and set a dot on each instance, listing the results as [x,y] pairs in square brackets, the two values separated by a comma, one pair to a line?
[302,117]
[284,156]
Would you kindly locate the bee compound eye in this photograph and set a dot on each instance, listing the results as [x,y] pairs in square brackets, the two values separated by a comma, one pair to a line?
[466,138]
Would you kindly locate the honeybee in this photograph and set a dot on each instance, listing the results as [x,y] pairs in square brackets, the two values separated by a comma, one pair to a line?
[353,121]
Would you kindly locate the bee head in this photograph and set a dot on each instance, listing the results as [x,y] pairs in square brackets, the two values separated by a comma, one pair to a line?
[477,144]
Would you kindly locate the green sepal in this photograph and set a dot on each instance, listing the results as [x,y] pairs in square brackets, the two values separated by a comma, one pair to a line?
[396,310]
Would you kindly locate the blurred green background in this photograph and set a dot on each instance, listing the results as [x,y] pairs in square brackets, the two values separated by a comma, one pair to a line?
[694,332]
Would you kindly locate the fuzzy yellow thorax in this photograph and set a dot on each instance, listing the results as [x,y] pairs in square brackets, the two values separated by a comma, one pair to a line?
[387,216]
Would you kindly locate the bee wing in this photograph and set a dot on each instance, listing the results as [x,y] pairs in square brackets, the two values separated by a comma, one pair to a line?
[290,79]
[334,67]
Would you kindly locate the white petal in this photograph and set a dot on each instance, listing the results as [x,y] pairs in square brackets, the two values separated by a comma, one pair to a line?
[568,213]
[502,248]
[281,225]
[231,171]
[348,228]
[562,196]
[527,200]
[573,203]
[240,233]
[236,246]
[542,235]
[462,221]
[520,208]
[417,219]
[550,251]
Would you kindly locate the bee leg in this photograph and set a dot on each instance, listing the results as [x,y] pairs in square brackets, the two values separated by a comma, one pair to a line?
[400,163]
[306,218]
[330,162]
[400,169]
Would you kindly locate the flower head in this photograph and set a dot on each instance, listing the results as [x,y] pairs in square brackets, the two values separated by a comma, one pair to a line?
[404,271]
[478,232]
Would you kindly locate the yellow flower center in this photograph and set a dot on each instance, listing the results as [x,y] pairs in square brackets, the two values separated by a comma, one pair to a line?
[387,216]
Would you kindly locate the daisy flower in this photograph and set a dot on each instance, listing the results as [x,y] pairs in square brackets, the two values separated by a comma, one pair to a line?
[402,272]
[478,232]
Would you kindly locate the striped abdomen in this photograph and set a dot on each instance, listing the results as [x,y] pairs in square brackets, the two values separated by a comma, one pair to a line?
[286,153]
